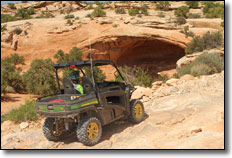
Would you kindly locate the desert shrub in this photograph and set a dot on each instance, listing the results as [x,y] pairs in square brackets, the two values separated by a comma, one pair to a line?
[24,1]
[207,41]
[46,15]
[25,112]
[88,16]
[163,5]
[97,2]
[7,18]
[136,76]
[222,24]
[143,9]
[77,18]
[133,12]
[120,11]
[40,78]
[69,16]
[98,74]
[61,11]
[90,6]
[18,31]
[11,6]
[213,10]
[3,28]
[161,14]
[69,22]
[205,64]
[201,69]
[139,15]
[75,54]
[187,32]
[23,13]
[192,4]
[194,16]
[180,20]
[115,25]
[98,12]
[10,73]
[182,11]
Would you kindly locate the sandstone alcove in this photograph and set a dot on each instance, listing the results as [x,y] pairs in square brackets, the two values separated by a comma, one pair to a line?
[154,53]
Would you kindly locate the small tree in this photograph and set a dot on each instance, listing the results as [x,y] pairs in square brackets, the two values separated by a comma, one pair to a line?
[133,12]
[98,74]
[98,12]
[143,9]
[24,1]
[180,20]
[40,78]
[11,6]
[120,11]
[182,11]
[163,5]
[192,4]
[10,74]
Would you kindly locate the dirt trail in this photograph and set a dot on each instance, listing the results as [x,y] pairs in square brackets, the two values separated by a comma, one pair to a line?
[188,114]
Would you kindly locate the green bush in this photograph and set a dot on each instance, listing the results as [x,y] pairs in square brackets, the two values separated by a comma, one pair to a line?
[69,16]
[46,15]
[201,69]
[136,76]
[115,25]
[213,10]
[75,54]
[10,74]
[24,1]
[161,14]
[133,12]
[25,112]
[207,41]
[192,4]
[23,13]
[18,31]
[205,64]
[143,10]
[194,16]
[11,6]
[120,11]
[89,7]
[182,11]
[69,22]
[98,12]
[7,18]
[3,28]
[40,78]
[180,20]
[31,11]
[98,74]
[187,32]
[163,5]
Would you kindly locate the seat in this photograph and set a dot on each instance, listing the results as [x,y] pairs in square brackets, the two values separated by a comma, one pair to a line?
[87,84]
[68,87]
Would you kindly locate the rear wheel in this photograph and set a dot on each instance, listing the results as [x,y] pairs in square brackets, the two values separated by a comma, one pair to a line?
[49,129]
[136,111]
[89,131]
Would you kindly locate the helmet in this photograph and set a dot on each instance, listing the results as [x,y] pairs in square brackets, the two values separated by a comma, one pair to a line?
[75,76]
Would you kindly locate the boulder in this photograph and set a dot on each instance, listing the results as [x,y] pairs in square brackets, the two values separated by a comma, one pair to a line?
[172,82]
[187,77]
[23,125]
[7,37]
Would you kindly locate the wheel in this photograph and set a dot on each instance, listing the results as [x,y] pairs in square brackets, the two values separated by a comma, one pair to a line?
[136,111]
[49,129]
[89,131]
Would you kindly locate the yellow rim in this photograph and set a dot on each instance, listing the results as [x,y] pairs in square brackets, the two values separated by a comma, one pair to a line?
[138,110]
[92,131]
[53,129]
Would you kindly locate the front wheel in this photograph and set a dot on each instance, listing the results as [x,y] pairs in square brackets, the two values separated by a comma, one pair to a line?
[89,131]
[136,111]
[49,129]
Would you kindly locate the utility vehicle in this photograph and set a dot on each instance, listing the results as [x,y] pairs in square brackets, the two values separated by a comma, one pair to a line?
[100,104]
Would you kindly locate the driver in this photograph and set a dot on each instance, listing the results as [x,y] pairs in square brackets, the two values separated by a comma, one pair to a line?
[74,76]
